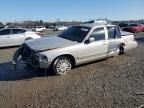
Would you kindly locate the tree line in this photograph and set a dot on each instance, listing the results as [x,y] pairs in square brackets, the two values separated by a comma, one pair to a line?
[31,24]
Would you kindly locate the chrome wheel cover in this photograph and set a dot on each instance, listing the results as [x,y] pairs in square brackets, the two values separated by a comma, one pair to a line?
[63,66]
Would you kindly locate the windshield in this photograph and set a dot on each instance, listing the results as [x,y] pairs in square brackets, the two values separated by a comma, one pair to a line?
[75,33]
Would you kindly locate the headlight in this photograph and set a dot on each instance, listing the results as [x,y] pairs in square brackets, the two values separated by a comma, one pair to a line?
[40,58]
[43,58]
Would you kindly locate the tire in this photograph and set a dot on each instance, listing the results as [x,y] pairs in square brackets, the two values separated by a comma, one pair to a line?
[62,65]
[121,50]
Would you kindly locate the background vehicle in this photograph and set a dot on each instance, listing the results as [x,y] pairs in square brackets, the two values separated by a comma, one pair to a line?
[96,22]
[122,25]
[60,28]
[134,28]
[15,36]
[77,45]
[39,29]
[142,26]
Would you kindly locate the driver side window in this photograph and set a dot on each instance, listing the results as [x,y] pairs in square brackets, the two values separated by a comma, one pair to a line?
[98,34]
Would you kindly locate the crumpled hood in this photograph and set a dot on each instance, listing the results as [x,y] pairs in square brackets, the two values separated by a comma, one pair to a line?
[49,43]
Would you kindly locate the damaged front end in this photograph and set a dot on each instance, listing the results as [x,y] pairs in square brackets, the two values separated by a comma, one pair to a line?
[30,57]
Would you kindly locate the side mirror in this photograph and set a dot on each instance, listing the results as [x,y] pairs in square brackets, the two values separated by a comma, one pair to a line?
[90,40]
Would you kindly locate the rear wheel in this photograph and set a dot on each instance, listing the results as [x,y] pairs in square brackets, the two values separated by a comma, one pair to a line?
[121,50]
[62,65]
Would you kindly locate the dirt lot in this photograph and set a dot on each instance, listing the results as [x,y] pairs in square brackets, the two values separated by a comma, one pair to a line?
[116,82]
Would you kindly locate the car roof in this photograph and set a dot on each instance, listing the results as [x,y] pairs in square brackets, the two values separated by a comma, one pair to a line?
[95,25]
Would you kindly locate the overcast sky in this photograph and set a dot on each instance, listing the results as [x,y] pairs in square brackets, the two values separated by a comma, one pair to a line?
[81,10]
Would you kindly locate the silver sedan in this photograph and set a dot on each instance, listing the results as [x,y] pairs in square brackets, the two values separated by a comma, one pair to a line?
[75,46]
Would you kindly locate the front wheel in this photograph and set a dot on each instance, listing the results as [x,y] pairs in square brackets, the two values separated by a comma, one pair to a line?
[62,65]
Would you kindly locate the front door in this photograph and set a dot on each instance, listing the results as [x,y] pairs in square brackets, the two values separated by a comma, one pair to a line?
[96,49]
[17,36]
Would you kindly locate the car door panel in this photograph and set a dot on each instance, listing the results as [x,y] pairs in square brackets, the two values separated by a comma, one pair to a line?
[114,44]
[114,38]
[4,40]
[94,50]
[97,49]
[17,39]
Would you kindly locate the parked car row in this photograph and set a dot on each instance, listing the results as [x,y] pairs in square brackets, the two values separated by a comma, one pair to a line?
[56,28]
[60,28]
[134,28]
[15,35]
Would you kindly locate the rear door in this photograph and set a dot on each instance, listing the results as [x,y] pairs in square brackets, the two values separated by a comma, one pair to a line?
[17,36]
[5,39]
[114,38]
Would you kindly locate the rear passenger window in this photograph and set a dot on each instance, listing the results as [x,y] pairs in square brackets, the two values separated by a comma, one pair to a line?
[113,32]
[18,31]
[98,34]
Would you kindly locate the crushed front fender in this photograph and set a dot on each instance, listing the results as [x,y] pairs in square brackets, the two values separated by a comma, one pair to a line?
[16,55]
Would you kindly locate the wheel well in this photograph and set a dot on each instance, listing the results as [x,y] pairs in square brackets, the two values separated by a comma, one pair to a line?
[28,38]
[72,59]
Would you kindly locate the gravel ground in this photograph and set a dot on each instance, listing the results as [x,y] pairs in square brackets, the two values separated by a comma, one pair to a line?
[117,82]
